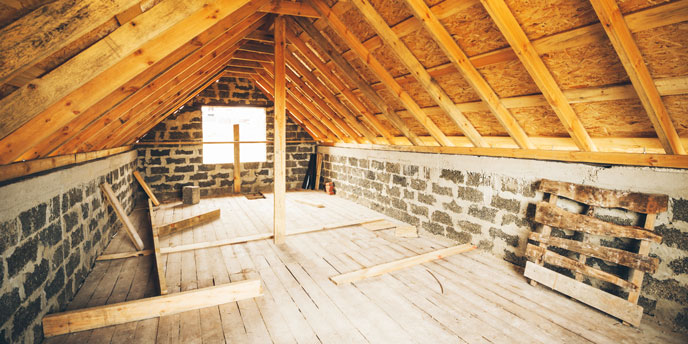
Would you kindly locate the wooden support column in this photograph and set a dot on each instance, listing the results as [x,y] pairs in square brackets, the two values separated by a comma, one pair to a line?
[237,160]
[631,58]
[279,224]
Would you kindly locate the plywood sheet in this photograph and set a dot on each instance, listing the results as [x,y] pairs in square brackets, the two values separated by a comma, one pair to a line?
[457,88]
[392,11]
[357,24]
[509,79]
[677,106]
[592,65]
[390,100]
[619,118]
[419,94]
[383,119]
[539,121]
[425,49]
[665,49]
[628,6]
[334,39]
[443,121]
[390,61]
[540,18]
[474,31]
[486,123]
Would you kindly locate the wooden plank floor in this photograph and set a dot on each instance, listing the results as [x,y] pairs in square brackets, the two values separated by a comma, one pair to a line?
[468,298]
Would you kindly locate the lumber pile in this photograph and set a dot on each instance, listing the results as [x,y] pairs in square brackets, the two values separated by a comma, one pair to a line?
[549,215]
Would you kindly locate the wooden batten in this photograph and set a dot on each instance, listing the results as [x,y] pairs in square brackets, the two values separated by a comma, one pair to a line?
[129,228]
[190,222]
[146,188]
[279,218]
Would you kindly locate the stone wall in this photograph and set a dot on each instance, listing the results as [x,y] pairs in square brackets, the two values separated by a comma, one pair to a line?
[489,202]
[168,168]
[52,228]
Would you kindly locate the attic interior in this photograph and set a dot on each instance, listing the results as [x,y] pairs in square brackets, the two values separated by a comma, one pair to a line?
[344,171]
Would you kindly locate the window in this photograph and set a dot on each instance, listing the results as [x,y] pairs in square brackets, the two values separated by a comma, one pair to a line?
[218,126]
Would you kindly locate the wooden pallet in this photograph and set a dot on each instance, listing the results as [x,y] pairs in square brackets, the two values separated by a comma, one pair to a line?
[549,215]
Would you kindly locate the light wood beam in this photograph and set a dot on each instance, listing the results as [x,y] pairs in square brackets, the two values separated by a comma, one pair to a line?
[418,71]
[512,31]
[299,45]
[160,76]
[336,105]
[146,188]
[279,220]
[291,8]
[457,56]
[320,103]
[364,54]
[124,312]
[25,41]
[69,90]
[632,60]
[237,160]
[311,121]
[352,75]
[122,215]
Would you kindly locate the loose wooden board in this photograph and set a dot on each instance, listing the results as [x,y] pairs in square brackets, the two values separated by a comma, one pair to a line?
[377,270]
[599,299]
[379,225]
[147,189]
[159,269]
[122,215]
[120,313]
[188,223]
[406,231]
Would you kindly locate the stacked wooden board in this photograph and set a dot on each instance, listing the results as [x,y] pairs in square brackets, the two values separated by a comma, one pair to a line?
[549,215]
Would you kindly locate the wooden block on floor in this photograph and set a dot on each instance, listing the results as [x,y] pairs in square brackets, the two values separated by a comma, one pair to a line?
[124,312]
[254,195]
[191,194]
[406,231]
[379,225]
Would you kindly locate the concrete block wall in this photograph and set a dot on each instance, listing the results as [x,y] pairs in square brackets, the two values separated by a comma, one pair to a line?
[169,168]
[490,202]
[52,228]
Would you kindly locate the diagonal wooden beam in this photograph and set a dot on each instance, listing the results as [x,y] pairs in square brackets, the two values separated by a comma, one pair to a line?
[320,103]
[512,31]
[69,90]
[46,30]
[470,73]
[264,78]
[396,90]
[295,109]
[336,105]
[631,58]
[352,75]
[418,71]
[324,71]
[157,78]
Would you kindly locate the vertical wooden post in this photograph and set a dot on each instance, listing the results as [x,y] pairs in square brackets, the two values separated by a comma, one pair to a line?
[636,276]
[237,161]
[546,230]
[280,135]
[318,168]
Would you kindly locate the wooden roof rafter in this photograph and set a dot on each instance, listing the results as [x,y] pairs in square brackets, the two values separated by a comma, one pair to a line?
[470,73]
[418,71]
[349,72]
[619,34]
[514,34]
[377,68]
[324,71]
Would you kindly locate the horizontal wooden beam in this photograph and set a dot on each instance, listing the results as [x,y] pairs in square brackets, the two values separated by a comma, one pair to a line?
[124,312]
[297,9]
[656,160]
[633,201]
[591,296]
[378,270]
[26,168]
[551,215]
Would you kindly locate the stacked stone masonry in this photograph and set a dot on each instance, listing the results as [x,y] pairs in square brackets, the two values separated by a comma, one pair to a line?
[51,232]
[492,209]
[167,169]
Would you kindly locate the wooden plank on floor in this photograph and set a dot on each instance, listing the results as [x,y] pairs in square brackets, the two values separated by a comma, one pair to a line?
[122,215]
[190,222]
[377,270]
[119,313]
[594,297]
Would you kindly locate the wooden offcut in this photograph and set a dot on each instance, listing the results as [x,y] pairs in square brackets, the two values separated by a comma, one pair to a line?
[122,215]
[120,313]
[377,270]
[159,267]
[599,299]
[190,222]
[146,188]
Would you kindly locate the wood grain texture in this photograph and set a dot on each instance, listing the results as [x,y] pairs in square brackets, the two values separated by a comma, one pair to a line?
[279,186]
[122,215]
[633,201]
[187,223]
[554,216]
[146,188]
[599,299]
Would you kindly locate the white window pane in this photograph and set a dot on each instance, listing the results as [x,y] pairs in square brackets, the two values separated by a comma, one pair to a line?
[218,126]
